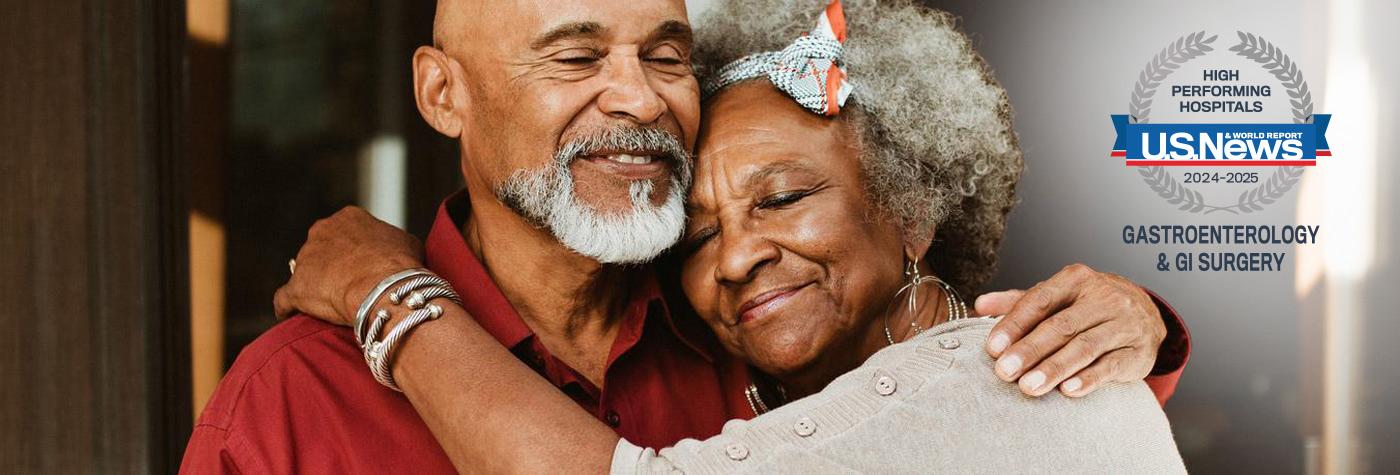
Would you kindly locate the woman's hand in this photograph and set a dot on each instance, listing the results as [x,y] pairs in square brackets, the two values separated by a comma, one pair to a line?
[344,257]
[1078,330]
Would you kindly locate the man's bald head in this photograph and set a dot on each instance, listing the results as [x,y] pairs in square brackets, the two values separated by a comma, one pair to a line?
[452,16]
[521,82]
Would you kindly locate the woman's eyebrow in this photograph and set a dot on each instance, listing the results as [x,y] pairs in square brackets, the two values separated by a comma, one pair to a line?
[775,168]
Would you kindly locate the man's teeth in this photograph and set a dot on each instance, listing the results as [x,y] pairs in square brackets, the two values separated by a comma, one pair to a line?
[631,159]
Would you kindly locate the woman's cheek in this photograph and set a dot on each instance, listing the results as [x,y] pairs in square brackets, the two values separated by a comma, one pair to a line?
[700,289]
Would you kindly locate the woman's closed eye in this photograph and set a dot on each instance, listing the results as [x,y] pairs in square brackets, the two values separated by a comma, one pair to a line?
[698,240]
[783,199]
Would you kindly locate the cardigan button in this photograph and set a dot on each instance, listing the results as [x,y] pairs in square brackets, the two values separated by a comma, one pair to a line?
[885,386]
[804,427]
[736,452]
[949,343]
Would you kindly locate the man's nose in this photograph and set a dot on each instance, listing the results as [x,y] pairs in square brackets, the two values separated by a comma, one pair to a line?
[741,254]
[629,94]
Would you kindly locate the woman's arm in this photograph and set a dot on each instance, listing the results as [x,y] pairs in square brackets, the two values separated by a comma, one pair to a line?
[932,405]
[489,411]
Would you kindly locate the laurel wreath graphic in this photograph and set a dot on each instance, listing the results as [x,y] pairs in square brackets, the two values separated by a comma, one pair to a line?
[1184,50]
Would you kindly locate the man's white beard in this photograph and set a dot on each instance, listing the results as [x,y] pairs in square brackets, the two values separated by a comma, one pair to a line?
[638,235]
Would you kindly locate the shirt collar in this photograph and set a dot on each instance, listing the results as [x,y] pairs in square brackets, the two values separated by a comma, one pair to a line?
[449,256]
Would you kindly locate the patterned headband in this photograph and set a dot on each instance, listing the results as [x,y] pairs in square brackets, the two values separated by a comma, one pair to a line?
[810,69]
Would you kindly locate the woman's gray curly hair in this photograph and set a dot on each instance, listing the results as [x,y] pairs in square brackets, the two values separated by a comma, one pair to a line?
[935,126]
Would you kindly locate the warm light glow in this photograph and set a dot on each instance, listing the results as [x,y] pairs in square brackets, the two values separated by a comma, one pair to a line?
[1350,177]
[207,21]
[1349,223]
[207,261]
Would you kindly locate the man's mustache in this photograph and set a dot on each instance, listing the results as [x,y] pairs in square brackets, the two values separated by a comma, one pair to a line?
[657,142]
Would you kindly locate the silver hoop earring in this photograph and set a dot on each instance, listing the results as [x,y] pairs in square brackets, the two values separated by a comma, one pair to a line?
[956,309]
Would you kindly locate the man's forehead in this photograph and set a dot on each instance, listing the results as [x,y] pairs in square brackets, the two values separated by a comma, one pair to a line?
[531,18]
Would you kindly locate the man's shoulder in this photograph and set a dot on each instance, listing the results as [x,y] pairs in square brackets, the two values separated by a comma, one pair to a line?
[301,355]
[300,398]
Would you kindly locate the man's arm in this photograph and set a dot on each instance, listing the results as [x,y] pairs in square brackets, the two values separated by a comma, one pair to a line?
[1083,328]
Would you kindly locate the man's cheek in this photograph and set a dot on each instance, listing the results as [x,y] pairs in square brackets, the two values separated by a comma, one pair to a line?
[559,106]
[683,100]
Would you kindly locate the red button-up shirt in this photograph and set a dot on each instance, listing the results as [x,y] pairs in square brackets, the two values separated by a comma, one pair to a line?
[300,399]
[661,382]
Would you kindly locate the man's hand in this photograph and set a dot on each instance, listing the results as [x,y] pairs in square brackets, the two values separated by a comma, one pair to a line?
[1078,330]
[344,257]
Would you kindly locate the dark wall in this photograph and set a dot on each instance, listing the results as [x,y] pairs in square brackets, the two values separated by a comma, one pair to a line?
[93,293]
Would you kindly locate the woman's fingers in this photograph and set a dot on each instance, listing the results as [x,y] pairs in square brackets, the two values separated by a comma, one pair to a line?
[290,300]
[1033,307]
[1117,366]
[1081,351]
[282,304]
[997,303]
[344,256]
[1049,338]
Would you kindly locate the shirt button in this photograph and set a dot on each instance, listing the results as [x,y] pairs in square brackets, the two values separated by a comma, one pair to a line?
[613,419]
[804,427]
[885,385]
[736,451]
[949,343]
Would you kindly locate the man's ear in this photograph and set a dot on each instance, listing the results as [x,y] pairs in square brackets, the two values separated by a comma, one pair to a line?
[916,244]
[437,90]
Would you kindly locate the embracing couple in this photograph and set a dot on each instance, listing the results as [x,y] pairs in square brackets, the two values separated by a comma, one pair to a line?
[743,247]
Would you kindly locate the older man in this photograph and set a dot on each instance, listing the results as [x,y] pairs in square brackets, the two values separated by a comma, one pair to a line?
[574,119]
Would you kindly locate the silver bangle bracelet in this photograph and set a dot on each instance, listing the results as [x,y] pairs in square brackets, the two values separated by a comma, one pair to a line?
[380,354]
[374,295]
[417,291]
[418,288]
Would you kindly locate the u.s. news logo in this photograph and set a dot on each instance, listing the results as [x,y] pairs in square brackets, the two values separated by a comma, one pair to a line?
[1281,145]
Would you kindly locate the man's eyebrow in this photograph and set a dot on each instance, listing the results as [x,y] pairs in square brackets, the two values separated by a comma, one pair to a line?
[581,29]
[673,30]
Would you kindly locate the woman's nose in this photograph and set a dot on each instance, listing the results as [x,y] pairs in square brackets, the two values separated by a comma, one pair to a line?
[741,254]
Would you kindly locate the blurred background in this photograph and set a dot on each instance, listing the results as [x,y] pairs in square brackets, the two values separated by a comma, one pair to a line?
[212,133]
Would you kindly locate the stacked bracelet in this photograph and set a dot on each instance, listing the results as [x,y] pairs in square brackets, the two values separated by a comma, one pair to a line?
[421,287]
[374,295]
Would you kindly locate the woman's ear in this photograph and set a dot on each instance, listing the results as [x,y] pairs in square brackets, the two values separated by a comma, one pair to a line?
[437,90]
[916,244]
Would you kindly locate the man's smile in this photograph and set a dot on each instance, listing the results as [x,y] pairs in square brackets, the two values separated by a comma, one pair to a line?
[629,166]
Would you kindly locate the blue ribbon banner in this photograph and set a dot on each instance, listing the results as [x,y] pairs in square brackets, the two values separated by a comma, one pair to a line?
[1221,144]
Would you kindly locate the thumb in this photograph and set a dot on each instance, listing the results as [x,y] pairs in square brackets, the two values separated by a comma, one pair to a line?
[282,303]
[997,303]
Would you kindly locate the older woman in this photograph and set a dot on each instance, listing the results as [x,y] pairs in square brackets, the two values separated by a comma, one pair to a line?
[837,216]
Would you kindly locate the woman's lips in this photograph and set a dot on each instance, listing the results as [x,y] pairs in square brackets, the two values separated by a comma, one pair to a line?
[767,302]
